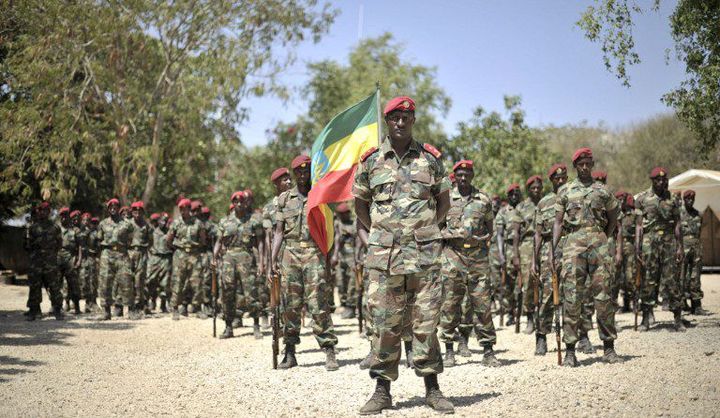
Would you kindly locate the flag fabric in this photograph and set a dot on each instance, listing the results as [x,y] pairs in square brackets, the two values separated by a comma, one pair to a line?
[335,156]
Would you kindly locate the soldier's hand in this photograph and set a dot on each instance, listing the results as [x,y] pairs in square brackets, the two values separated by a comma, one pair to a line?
[213,264]
[261,270]
[618,259]
[639,258]
[534,270]
[333,261]
[679,255]
[501,260]
[516,263]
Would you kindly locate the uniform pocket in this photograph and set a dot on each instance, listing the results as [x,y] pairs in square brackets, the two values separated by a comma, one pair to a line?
[421,184]
[381,187]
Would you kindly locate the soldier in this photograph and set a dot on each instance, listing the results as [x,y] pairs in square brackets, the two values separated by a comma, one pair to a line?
[69,259]
[692,263]
[42,241]
[90,248]
[659,246]
[159,264]
[523,225]
[600,176]
[466,267]
[343,260]
[304,271]
[237,235]
[259,286]
[188,238]
[542,242]
[587,213]
[115,234]
[625,272]
[506,234]
[142,237]
[402,195]
[211,228]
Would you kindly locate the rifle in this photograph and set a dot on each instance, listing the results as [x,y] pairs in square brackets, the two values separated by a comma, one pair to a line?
[275,306]
[638,279]
[556,303]
[536,299]
[214,291]
[502,296]
[359,288]
[518,302]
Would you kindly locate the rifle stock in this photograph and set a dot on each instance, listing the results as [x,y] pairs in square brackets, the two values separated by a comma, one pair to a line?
[214,293]
[518,302]
[360,290]
[556,304]
[502,296]
[638,279]
[275,306]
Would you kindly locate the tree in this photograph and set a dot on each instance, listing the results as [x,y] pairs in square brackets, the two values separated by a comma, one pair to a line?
[694,29]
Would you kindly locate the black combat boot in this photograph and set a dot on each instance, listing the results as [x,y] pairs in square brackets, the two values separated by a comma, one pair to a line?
[434,398]
[645,323]
[540,345]
[651,317]
[58,313]
[163,305]
[570,359]
[463,349]
[184,310]
[697,308]
[107,316]
[117,311]
[380,399]
[228,333]
[348,313]
[511,319]
[176,314]
[584,345]
[289,360]
[626,304]
[152,305]
[489,358]
[678,325]
[449,360]
[331,363]
[610,356]
[530,328]
[256,329]
[409,355]
[367,361]
[33,314]
[686,307]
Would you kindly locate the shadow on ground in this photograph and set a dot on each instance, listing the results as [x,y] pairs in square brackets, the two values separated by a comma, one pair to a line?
[458,401]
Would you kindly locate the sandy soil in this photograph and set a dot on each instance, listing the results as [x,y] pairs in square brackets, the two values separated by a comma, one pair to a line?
[156,366]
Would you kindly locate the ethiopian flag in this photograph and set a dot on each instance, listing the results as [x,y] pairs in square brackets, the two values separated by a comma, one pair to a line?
[335,156]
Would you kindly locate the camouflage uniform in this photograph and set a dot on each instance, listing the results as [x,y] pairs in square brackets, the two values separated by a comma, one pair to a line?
[206,258]
[259,286]
[187,262]
[238,278]
[142,237]
[586,261]
[404,254]
[625,274]
[159,267]
[544,221]
[504,218]
[466,267]
[67,257]
[525,216]
[269,220]
[90,247]
[114,239]
[303,273]
[345,270]
[659,216]
[692,245]
[43,240]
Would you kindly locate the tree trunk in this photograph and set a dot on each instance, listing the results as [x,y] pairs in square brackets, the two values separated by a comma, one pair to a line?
[151,179]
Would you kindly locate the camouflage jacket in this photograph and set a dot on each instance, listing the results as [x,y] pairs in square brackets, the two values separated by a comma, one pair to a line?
[239,234]
[115,234]
[43,240]
[626,223]
[525,216]
[691,225]
[504,218]
[404,236]
[345,236]
[466,220]
[159,243]
[142,236]
[659,213]
[70,239]
[89,242]
[292,212]
[545,216]
[585,206]
[212,233]
[187,233]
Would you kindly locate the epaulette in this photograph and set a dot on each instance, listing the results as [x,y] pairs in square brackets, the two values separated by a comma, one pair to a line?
[368,153]
[432,150]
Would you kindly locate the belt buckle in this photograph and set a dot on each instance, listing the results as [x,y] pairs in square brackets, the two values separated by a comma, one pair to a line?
[661,232]
[187,250]
[466,245]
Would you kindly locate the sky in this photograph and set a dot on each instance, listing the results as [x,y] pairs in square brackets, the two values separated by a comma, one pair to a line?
[484,50]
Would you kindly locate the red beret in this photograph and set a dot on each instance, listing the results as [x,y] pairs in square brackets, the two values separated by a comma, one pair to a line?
[205,210]
[343,207]
[154,216]
[248,193]
[44,205]
[532,180]
[183,202]
[299,161]
[124,209]
[195,205]
[630,200]
[512,187]
[463,164]
[95,220]
[279,172]
[237,196]
[599,175]
[689,193]
[75,213]
[658,172]
[399,103]
[64,210]
[620,193]
[232,206]
[86,215]
[582,153]
[451,176]
[112,201]
[165,215]
[138,205]
[557,168]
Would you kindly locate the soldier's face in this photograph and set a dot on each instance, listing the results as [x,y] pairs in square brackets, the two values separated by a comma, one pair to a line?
[113,209]
[464,177]
[660,184]
[689,201]
[185,211]
[138,214]
[43,213]
[535,189]
[283,183]
[85,222]
[559,179]
[400,124]
[344,216]
[584,167]
[302,174]
[515,196]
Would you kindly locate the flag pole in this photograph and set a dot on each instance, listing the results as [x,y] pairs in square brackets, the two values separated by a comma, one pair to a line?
[377,93]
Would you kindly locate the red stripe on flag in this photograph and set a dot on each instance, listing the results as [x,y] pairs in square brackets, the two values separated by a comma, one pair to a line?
[336,186]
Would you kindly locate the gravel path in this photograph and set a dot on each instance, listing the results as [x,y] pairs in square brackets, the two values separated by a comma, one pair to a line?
[156,366]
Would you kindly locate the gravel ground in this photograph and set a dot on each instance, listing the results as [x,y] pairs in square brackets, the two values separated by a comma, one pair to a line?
[156,366]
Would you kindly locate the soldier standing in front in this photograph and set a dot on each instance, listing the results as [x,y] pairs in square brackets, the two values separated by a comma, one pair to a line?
[402,195]
[42,241]
[692,263]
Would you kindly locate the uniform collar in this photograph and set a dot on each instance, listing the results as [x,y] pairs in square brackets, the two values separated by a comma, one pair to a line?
[455,193]
[386,147]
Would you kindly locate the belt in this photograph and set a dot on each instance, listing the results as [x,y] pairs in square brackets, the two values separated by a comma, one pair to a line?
[120,248]
[459,244]
[190,250]
[138,247]
[307,244]
[575,228]
[161,254]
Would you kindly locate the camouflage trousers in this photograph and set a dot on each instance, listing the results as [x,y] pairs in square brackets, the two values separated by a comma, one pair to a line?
[138,270]
[43,274]
[466,279]
[115,278]
[546,310]
[526,249]
[238,283]
[586,268]
[68,275]
[660,268]
[692,269]
[186,278]
[345,277]
[625,273]
[206,258]
[509,290]
[89,277]
[395,300]
[303,283]
[159,271]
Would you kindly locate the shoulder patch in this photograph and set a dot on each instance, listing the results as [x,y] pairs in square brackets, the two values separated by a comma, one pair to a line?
[368,153]
[432,150]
